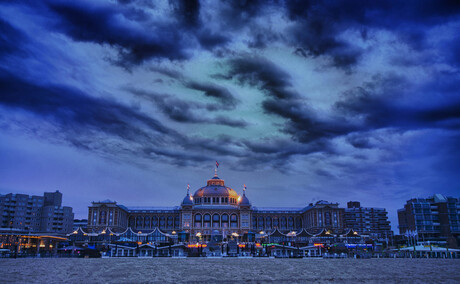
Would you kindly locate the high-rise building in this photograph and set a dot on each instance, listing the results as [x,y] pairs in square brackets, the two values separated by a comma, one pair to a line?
[435,219]
[368,220]
[35,213]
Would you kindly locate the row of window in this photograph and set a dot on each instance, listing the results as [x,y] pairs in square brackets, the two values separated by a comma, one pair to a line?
[215,200]
[282,222]
[216,218]
[150,222]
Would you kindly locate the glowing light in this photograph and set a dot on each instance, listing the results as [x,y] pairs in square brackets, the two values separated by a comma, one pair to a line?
[239,198]
[139,243]
[173,232]
[355,233]
[318,245]
[241,245]
[262,232]
[139,232]
[257,245]
[103,232]
[198,234]
[235,234]
[196,245]
[75,232]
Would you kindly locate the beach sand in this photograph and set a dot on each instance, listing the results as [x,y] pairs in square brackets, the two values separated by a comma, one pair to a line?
[228,270]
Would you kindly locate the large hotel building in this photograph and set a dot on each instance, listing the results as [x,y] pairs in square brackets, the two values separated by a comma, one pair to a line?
[216,209]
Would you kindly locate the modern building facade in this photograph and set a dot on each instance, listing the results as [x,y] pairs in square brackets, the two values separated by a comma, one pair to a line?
[368,221]
[435,219]
[35,213]
[215,209]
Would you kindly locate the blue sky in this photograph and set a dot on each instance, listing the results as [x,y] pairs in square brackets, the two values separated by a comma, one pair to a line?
[299,100]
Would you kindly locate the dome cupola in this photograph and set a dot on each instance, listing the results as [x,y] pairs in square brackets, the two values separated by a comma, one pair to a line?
[187,199]
[215,193]
[244,200]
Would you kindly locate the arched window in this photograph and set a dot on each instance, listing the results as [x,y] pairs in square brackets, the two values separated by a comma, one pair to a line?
[268,222]
[170,222]
[260,223]
[215,221]
[290,223]
[147,222]
[177,222]
[162,222]
[254,222]
[132,222]
[225,221]
[207,221]
[276,222]
[139,222]
[298,223]
[233,221]
[283,223]
[197,221]
[154,221]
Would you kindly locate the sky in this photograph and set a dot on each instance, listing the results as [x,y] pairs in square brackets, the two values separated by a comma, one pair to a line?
[299,100]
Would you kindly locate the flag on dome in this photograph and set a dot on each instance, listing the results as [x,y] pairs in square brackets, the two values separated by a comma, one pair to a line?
[217,164]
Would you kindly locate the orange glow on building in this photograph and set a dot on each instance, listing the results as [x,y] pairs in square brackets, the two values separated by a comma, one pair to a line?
[197,245]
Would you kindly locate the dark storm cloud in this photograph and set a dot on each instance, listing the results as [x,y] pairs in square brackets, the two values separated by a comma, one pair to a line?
[135,33]
[187,11]
[359,140]
[220,93]
[103,126]
[186,111]
[72,108]
[11,39]
[303,124]
[379,104]
[318,24]
[137,37]
[210,40]
[314,28]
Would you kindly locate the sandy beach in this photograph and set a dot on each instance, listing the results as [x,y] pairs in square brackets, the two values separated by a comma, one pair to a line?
[228,270]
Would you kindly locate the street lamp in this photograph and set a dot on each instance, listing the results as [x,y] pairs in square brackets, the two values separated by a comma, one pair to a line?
[236,236]
[198,235]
